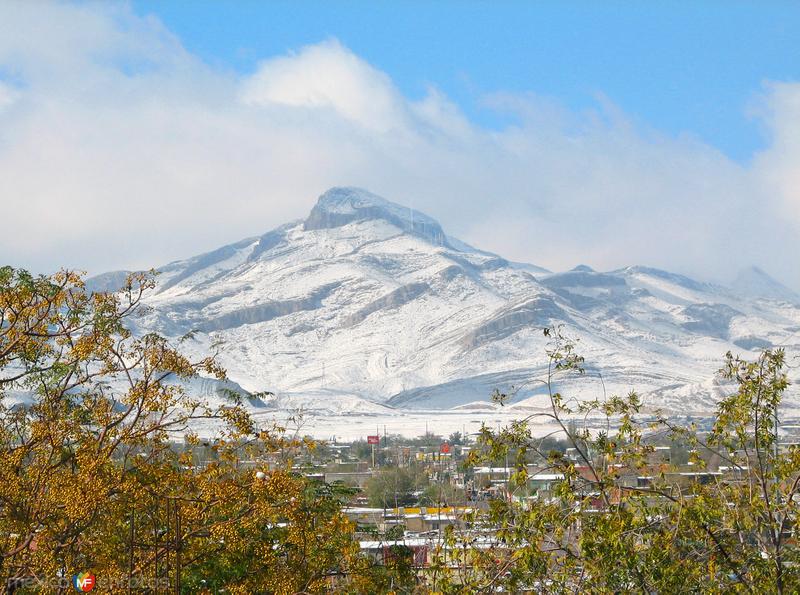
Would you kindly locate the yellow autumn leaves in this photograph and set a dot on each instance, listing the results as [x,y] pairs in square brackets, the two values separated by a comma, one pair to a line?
[95,472]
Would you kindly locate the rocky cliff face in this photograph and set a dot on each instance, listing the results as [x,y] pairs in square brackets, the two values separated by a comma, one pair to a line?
[341,206]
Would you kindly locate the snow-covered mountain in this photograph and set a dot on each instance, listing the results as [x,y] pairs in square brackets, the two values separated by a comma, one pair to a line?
[366,305]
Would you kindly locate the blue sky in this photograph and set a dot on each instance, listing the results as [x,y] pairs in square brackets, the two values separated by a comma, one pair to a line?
[680,67]
[609,134]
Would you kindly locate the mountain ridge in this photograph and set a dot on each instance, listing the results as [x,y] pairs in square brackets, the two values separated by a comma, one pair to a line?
[368,298]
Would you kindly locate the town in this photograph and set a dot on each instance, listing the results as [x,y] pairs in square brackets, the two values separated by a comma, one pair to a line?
[405,494]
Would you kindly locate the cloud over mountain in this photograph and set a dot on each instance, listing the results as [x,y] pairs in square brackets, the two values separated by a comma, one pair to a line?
[122,149]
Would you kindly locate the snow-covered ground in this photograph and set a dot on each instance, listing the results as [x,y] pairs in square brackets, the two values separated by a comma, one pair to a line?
[410,424]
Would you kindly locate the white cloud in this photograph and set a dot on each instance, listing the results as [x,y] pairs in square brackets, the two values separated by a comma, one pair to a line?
[118,149]
[328,76]
[8,95]
[779,165]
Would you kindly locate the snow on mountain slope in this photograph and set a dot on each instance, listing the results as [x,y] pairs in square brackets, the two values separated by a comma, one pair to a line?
[367,304]
[755,283]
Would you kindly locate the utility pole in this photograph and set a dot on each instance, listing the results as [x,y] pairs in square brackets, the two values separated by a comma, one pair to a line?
[131,556]
[508,477]
[178,545]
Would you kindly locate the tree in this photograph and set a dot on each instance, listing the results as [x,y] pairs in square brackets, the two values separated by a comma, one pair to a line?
[442,494]
[98,396]
[395,486]
[456,438]
[718,532]
[90,479]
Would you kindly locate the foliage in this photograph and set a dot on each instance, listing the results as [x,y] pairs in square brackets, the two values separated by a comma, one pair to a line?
[619,522]
[395,486]
[456,438]
[91,480]
[442,494]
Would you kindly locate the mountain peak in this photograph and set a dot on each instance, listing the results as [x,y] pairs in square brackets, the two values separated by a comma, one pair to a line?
[343,205]
[754,282]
